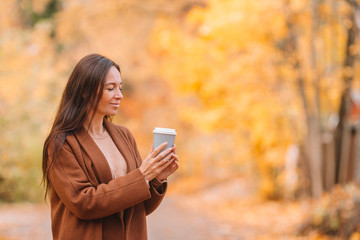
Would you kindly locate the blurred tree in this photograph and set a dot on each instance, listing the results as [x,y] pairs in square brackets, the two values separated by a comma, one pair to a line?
[231,81]
[266,86]
[239,92]
[343,130]
[328,158]
[41,40]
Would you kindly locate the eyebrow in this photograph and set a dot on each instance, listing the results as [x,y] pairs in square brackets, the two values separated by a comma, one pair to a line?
[112,83]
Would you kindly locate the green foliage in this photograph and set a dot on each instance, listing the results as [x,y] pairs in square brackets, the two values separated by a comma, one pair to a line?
[32,16]
[20,171]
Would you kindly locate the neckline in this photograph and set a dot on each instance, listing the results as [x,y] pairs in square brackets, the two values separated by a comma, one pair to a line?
[104,135]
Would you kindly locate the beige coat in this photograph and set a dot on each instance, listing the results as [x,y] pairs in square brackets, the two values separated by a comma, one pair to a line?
[87,204]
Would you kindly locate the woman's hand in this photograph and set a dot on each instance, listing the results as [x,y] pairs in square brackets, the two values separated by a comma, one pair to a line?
[155,163]
[171,168]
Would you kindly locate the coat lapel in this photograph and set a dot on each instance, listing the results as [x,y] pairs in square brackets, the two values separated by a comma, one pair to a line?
[99,161]
[122,144]
[96,156]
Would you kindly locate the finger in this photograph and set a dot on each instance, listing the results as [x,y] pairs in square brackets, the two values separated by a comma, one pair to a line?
[158,149]
[173,148]
[165,165]
[166,159]
[151,149]
[176,157]
[175,166]
[163,154]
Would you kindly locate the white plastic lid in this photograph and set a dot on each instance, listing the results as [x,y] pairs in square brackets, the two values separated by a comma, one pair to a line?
[165,131]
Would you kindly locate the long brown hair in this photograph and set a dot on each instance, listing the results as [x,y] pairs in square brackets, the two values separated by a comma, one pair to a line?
[82,94]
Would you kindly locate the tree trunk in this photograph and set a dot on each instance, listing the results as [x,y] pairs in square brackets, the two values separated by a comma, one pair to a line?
[313,149]
[328,160]
[345,134]
[357,155]
[314,141]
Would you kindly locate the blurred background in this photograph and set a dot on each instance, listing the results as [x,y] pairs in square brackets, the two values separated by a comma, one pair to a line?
[264,96]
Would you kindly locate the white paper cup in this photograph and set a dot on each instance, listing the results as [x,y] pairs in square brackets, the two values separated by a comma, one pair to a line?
[162,135]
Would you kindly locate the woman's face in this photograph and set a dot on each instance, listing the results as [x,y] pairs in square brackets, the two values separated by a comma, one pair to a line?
[110,100]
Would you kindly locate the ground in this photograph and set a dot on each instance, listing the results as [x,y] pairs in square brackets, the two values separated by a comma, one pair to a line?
[226,211]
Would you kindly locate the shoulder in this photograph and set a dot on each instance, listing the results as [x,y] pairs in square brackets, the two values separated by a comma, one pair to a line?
[67,143]
[60,145]
[124,131]
[70,141]
[118,130]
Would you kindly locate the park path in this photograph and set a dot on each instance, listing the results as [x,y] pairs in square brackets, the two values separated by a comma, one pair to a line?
[24,221]
[170,221]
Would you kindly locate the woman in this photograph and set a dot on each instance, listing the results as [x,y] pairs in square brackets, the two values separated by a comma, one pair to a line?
[99,186]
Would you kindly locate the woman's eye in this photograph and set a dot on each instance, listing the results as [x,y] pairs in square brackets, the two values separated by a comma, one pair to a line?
[110,89]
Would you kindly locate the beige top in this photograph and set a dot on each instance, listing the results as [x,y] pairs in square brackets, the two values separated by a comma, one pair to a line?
[112,154]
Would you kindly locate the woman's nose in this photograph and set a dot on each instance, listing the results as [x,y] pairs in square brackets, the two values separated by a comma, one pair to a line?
[119,94]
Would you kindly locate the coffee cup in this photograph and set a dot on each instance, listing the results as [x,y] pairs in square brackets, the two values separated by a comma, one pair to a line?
[162,135]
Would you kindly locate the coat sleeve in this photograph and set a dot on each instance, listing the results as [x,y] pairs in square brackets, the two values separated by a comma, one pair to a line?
[157,189]
[86,201]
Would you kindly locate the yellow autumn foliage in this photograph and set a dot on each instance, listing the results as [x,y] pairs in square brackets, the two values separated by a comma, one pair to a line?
[218,72]
[227,60]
